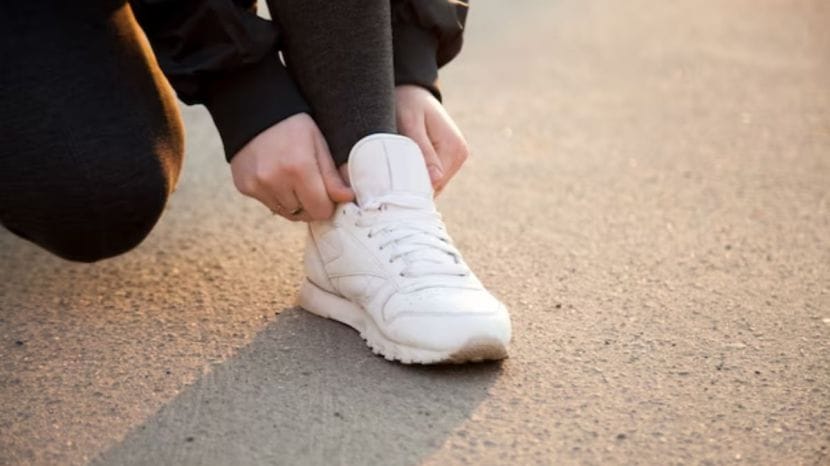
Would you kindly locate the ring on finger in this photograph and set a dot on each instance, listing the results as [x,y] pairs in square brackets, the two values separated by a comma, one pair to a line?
[278,210]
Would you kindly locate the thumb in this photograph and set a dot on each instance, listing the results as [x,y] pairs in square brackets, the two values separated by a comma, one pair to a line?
[336,188]
[433,163]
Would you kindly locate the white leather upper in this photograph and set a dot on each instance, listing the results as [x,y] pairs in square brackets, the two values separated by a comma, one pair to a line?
[386,163]
[390,253]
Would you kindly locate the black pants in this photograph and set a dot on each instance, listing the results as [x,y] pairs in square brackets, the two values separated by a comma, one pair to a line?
[90,136]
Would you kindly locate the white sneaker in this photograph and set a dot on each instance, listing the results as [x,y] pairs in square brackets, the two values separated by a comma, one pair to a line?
[387,267]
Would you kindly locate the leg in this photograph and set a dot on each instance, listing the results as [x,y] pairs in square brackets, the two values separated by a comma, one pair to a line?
[340,53]
[383,264]
[92,142]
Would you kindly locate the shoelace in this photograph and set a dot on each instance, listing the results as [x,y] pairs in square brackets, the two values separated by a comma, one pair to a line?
[411,225]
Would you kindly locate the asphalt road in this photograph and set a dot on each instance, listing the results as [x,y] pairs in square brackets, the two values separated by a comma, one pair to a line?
[648,193]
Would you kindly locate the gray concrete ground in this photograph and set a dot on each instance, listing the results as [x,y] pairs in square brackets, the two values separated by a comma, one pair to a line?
[648,194]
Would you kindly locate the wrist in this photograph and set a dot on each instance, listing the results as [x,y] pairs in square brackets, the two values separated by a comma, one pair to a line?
[249,100]
[415,51]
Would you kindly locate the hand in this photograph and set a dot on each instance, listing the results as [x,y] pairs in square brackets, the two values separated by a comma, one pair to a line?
[288,167]
[421,117]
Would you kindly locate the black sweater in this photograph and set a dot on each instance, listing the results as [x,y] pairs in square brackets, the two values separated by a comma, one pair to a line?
[221,54]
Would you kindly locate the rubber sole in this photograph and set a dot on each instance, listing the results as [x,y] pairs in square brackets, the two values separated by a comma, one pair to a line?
[324,304]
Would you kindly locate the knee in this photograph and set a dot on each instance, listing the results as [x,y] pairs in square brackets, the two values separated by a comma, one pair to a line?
[92,185]
[109,223]
[94,213]
[117,224]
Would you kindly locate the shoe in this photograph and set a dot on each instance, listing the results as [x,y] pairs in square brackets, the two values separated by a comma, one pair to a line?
[386,266]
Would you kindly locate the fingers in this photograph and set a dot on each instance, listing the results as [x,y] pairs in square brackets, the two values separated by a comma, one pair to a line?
[284,202]
[288,167]
[312,194]
[418,133]
[448,143]
[317,185]
[337,189]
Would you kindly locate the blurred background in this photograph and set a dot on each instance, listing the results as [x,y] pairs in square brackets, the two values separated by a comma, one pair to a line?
[648,193]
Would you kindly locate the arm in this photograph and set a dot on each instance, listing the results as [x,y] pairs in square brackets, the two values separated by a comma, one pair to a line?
[426,35]
[221,54]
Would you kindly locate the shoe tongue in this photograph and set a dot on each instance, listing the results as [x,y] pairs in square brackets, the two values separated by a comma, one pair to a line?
[383,164]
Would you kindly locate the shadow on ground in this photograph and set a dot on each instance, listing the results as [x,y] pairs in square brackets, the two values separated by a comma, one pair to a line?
[307,390]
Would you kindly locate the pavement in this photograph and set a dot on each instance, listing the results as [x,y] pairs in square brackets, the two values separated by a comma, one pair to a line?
[648,193]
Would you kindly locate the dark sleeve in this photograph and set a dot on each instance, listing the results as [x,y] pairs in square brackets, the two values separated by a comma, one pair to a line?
[426,35]
[221,54]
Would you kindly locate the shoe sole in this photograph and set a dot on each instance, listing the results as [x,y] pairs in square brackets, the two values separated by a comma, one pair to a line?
[324,304]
